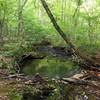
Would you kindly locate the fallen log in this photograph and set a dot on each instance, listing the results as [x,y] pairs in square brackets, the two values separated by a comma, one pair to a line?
[78,82]
[81,82]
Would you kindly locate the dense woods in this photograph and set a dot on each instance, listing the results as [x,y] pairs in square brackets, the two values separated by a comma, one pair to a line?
[49,49]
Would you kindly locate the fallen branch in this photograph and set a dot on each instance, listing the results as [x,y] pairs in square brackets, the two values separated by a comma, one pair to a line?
[81,82]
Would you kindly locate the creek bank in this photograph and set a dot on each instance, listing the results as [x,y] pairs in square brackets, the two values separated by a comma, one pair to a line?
[41,51]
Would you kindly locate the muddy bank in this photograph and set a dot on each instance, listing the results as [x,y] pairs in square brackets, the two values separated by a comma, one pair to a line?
[41,51]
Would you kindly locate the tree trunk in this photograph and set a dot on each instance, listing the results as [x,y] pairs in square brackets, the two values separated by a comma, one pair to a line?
[1,34]
[2,22]
[21,30]
[20,18]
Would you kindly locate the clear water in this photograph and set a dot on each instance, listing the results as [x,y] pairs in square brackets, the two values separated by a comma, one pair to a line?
[50,67]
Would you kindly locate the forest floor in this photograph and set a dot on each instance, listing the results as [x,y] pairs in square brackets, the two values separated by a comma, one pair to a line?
[89,82]
[82,85]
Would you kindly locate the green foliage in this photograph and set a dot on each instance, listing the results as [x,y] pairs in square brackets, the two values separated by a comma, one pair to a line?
[37,24]
[79,20]
[14,95]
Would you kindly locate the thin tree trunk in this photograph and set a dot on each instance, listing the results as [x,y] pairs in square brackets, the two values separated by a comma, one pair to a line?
[2,22]
[20,18]
[1,34]
[78,6]
[21,5]
[62,11]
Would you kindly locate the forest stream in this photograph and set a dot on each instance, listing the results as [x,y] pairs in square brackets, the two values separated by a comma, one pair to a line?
[50,62]
[49,49]
[40,75]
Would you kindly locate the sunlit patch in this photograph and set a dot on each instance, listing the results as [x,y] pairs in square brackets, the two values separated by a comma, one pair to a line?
[89,5]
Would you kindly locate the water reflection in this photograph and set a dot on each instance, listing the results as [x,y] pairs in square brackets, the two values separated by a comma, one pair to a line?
[50,67]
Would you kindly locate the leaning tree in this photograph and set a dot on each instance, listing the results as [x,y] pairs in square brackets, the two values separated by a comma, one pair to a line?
[88,61]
